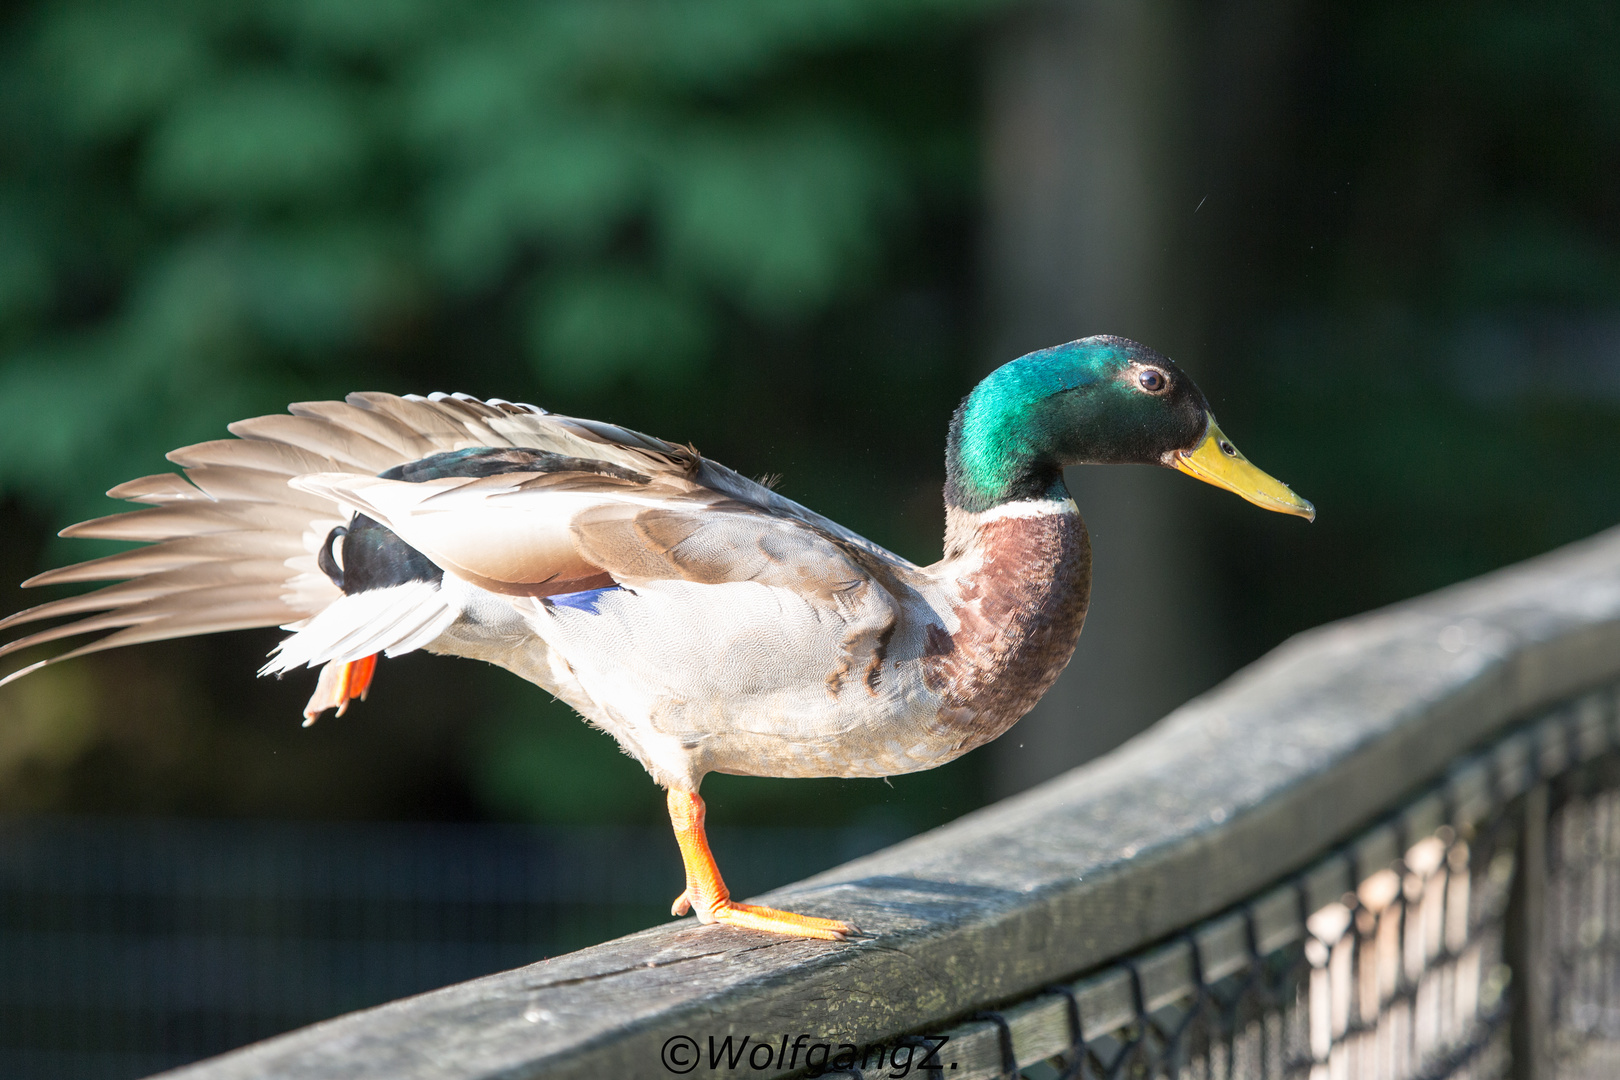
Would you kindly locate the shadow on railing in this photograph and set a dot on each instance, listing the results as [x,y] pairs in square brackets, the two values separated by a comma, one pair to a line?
[1390,848]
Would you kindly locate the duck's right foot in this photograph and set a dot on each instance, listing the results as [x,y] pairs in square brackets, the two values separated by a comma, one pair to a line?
[758,917]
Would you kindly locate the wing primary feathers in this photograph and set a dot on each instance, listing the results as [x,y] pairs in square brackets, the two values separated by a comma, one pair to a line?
[241,617]
[379,427]
[191,519]
[260,454]
[183,609]
[319,437]
[29,670]
[448,426]
[180,579]
[171,555]
[229,483]
[158,488]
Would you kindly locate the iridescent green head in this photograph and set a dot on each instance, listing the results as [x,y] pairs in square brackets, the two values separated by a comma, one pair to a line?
[1100,400]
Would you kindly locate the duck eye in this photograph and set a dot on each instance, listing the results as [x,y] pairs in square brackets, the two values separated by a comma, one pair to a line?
[1152,380]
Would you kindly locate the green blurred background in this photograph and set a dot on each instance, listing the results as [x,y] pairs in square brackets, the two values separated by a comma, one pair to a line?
[1384,236]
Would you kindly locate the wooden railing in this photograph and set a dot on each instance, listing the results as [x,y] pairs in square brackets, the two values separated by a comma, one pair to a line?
[1433,778]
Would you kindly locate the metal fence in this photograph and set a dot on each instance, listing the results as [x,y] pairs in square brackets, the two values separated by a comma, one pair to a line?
[1390,849]
[1449,940]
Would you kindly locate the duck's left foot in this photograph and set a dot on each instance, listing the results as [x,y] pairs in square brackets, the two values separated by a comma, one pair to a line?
[757,917]
[339,684]
[707,893]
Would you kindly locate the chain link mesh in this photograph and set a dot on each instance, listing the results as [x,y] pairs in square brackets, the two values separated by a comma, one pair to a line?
[1393,959]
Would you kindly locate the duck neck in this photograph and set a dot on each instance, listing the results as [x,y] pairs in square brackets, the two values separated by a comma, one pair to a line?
[992,475]
[992,458]
[975,535]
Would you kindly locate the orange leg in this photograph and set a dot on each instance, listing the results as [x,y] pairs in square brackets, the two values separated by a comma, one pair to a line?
[707,893]
[340,684]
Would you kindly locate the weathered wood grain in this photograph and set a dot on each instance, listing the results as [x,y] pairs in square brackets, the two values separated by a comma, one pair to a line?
[1238,788]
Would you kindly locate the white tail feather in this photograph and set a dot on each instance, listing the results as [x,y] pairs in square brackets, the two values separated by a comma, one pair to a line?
[394,620]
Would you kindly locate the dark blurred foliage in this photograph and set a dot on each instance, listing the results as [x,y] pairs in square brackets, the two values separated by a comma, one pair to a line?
[1414,291]
[745,223]
[750,224]
[213,206]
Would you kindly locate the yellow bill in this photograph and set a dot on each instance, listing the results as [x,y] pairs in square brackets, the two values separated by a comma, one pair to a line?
[1216,461]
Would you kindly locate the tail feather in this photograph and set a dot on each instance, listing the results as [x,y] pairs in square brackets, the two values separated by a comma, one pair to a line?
[394,620]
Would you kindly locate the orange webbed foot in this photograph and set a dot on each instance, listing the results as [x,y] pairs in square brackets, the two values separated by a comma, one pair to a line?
[772,920]
[756,917]
[339,684]
[706,892]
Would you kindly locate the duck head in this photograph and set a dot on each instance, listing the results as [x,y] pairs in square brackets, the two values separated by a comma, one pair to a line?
[1099,400]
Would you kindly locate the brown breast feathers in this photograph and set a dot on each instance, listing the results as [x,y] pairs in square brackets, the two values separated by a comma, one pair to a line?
[1021,614]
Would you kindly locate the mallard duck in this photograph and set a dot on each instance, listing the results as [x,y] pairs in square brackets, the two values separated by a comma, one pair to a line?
[703,620]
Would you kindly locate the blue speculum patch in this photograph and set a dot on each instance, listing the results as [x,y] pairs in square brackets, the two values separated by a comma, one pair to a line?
[585,601]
